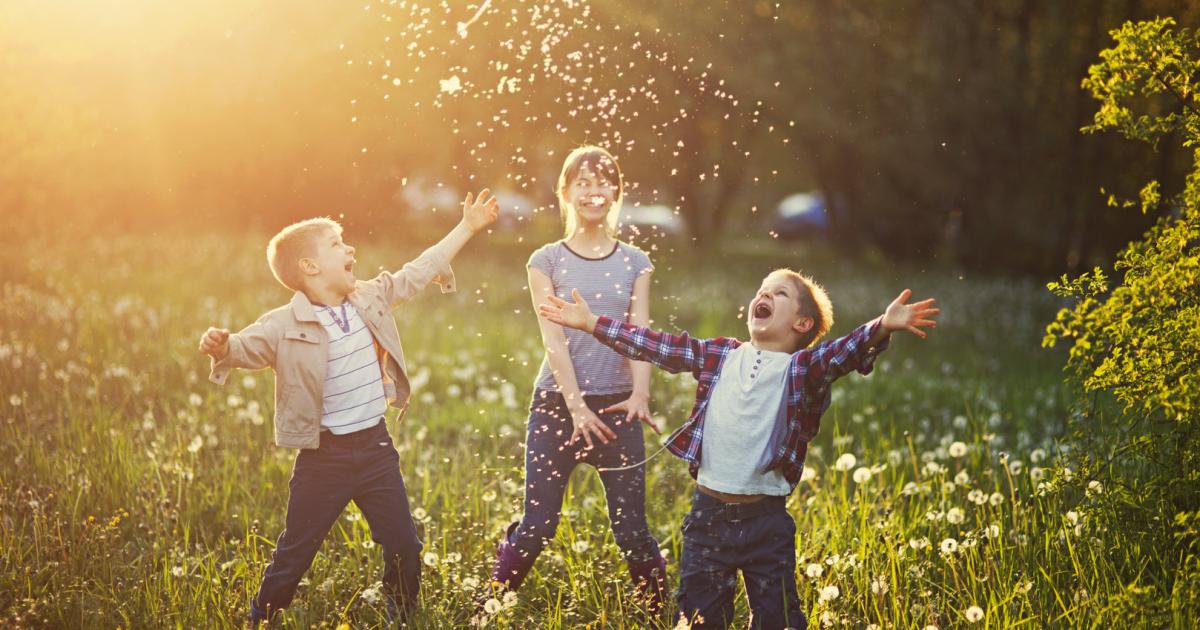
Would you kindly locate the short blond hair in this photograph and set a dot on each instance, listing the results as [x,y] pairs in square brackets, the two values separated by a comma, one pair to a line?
[296,241]
[814,303]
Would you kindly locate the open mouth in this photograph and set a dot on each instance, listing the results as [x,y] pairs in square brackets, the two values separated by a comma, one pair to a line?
[762,310]
[595,200]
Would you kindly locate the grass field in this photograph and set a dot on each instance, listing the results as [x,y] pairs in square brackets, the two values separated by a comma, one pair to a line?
[134,493]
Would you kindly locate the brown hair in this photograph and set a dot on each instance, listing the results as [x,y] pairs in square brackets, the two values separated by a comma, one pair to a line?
[814,303]
[600,162]
[292,243]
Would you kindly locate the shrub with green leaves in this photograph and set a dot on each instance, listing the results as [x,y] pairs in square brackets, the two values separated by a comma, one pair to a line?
[1135,347]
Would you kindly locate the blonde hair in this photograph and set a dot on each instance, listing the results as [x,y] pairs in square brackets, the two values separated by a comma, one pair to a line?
[294,242]
[600,162]
[814,303]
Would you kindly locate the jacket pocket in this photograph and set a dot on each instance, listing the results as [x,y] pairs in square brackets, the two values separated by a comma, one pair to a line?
[297,334]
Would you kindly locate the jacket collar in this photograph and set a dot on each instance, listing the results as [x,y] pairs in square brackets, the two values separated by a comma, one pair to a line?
[302,309]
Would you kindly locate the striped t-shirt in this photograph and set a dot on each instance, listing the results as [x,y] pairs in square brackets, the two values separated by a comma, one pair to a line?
[606,282]
[353,394]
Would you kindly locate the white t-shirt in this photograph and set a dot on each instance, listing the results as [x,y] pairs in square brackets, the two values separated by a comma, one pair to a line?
[353,396]
[745,418]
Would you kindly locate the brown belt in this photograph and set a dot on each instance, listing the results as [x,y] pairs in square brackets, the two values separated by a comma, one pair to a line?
[731,498]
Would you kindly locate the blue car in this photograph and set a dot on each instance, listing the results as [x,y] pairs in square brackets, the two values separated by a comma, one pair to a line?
[801,214]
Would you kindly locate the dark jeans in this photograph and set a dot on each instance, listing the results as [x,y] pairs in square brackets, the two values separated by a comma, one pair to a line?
[362,467]
[549,461]
[721,538]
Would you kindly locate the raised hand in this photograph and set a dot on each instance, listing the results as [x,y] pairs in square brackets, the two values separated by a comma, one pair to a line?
[479,212]
[911,317]
[572,315]
[636,406]
[215,343]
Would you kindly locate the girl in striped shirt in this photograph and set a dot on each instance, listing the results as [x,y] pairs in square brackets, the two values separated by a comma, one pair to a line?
[588,401]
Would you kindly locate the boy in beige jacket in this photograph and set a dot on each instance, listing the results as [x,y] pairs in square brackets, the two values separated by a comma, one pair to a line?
[338,365]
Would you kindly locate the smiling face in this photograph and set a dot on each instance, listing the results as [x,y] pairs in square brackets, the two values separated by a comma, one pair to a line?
[589,190]
[774,316]
[331,265]
[591,196]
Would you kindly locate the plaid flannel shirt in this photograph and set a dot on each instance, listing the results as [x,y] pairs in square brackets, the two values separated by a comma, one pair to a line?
[810,375]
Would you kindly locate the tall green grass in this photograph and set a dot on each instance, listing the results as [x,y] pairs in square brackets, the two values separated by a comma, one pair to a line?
[133,493]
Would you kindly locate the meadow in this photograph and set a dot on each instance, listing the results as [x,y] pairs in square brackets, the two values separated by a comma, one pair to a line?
[134,493]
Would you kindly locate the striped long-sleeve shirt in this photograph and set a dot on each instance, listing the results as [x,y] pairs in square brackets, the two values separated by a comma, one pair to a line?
[806,388]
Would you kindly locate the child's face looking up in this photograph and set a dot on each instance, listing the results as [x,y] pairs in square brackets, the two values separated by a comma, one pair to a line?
[332,265]
[591,195]
[774,313]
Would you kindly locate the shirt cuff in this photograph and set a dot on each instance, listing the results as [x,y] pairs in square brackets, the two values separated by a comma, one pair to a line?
[868,353]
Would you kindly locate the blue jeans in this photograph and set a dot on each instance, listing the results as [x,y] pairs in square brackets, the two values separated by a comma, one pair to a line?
[363,467]
[719,539]
[549,460]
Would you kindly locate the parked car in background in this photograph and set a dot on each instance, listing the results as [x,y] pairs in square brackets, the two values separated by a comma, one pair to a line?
[651,220]
[421,196]
[800,214]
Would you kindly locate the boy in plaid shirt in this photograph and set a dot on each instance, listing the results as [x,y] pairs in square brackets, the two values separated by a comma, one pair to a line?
[758,405]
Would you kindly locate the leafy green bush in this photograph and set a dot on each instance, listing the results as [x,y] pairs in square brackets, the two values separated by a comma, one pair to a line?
[1135,348]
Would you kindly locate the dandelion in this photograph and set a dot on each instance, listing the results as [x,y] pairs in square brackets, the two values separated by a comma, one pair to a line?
[954,516]
[862,475]
[1037,455]
[949,546]
[195,444]
[248,382]
[909,489]
[879,586]
[580,546]
[962,478]
[814,570]
[957,450]
[1016,466]
[1036,474]
[178,571]
[809,474]
[1073,517]
[1094,488]
[430,559]
[919,543]
[373,593]
[992,531]
[996,499]
[368,544]
[194,399]
[974,613]
[510,599]
[489,496]
[845,462]
[977,497]
[492,606]
[828,593]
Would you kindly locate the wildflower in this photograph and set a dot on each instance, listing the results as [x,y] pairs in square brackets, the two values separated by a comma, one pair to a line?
[919,543]
[949,546]
[453,557]
[492,606]
[957,450]
[368,544]
[909,489]
[195,444]
[809,474]
[954,516]
[977,497]
[1094,487]
[974,613]
[248,382]
[879,586]
[1073,517]
[1037,455]
[430,559]
[178,571]
[962,478]
[580,546]
[470,583]
[814,570]
[489,496]
[933,468]
[992,531]
[194,399]
[845,462]
[828,593]
[862,475]
[996,499]
[510,599]
[1036,474]
[372,593]
[1016,466]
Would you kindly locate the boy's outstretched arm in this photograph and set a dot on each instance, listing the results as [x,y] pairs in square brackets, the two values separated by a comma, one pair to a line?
[434,264]
[251,348]
[673,353]
[830,360]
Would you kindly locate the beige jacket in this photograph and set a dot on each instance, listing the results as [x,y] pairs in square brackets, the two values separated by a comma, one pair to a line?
[292,340]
